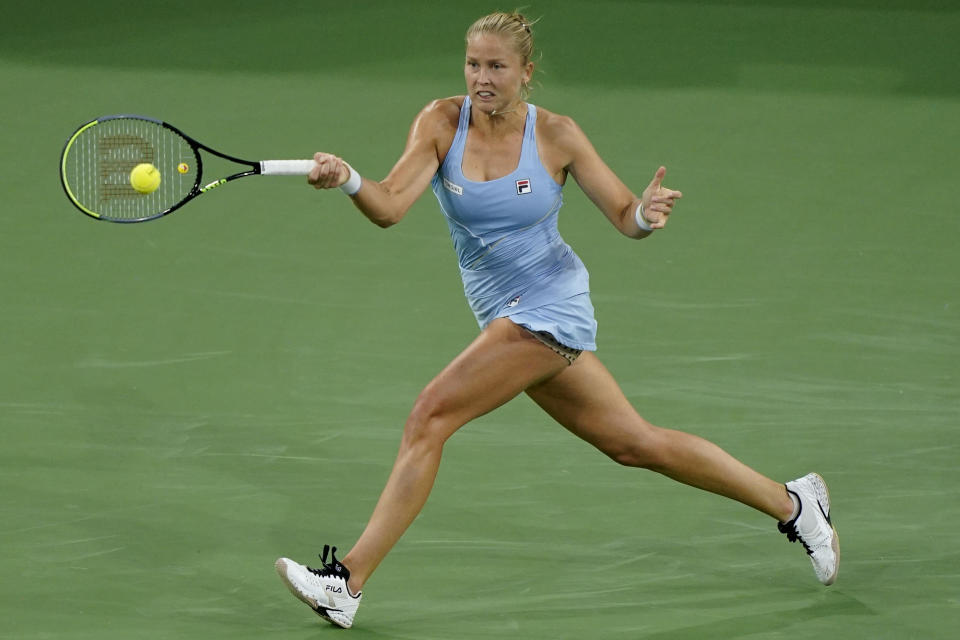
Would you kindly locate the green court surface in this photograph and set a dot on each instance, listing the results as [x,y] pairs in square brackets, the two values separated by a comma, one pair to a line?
[185,400]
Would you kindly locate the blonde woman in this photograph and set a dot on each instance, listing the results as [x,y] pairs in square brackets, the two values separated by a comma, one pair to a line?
[497,166]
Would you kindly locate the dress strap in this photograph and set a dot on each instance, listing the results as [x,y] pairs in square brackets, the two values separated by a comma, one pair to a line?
[529,152]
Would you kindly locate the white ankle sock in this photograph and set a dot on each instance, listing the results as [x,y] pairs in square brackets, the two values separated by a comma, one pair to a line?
[796,505]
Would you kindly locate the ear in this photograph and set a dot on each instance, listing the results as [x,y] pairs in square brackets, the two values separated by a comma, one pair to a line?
[528,73]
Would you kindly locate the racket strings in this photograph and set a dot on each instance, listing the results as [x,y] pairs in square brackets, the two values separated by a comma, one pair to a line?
[117,155]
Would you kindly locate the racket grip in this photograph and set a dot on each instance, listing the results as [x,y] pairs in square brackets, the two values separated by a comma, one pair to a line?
[286,167]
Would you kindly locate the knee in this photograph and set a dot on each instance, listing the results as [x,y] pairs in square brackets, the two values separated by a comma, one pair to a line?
[632,455]
[429,424]
[639,448]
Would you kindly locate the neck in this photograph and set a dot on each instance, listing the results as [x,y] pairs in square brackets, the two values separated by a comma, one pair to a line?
[495,113]
[512,114]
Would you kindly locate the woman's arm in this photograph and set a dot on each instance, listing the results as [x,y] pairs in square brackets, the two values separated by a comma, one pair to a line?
[605,189]
[386,202]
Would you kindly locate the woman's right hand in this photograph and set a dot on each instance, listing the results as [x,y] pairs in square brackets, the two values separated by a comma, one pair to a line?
[329,172]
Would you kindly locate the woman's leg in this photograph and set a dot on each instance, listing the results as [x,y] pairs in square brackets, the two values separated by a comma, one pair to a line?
[504,360]
[587,400]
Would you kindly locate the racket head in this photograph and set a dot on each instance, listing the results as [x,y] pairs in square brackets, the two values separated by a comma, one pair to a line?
[97,160]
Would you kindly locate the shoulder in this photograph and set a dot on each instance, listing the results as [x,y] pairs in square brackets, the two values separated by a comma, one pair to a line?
[441,114]
[435,127]
[561,141]
[559,130]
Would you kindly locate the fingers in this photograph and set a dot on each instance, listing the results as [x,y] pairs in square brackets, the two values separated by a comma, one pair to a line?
[665,195]
[661,205]
[658,177]
[328,171]
[659,200]
[656,185]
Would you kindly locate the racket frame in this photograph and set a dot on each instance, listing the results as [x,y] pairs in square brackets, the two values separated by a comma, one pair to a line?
[255,168]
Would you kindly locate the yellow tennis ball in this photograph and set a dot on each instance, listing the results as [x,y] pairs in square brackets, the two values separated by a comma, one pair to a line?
[183,167]
[145,178]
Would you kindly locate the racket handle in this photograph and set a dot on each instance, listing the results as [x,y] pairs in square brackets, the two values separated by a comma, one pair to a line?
[286,167]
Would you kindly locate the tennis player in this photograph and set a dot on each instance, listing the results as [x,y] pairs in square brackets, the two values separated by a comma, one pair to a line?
[497,165]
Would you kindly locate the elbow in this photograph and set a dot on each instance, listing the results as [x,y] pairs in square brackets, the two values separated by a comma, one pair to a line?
[384,223]
[387,219]
[385,210]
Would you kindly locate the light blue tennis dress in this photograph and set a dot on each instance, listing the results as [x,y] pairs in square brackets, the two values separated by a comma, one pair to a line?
[513,261]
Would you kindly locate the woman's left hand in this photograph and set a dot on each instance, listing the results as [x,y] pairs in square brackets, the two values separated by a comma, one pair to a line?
[658,201]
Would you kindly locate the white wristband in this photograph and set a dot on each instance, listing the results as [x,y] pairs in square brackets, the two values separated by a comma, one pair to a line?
[352,185]
[641,219]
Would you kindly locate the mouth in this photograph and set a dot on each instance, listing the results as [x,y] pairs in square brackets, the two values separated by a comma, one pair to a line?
[485,95]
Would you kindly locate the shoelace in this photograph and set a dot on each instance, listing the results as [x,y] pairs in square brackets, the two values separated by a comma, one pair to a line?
[793,534]
[790,527]
[333,568]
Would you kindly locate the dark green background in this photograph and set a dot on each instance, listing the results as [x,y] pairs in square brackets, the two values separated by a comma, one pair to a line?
[183,401]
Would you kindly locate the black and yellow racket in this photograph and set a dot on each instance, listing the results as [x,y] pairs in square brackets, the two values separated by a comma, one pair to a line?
[129,168]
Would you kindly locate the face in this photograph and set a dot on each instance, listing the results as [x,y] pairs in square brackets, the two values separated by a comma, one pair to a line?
[494,72]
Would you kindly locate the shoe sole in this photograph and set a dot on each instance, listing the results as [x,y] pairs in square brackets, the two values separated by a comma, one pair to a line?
[318,608]
[835,541]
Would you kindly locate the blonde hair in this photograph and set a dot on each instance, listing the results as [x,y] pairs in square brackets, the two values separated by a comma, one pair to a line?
[515,28]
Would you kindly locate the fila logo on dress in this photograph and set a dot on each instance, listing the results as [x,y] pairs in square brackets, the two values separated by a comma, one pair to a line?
[523,186]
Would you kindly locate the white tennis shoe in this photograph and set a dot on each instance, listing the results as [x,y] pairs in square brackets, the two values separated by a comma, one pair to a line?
[324,590]
[812,526]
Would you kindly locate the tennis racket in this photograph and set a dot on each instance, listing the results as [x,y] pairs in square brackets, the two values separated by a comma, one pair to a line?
[97,160]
